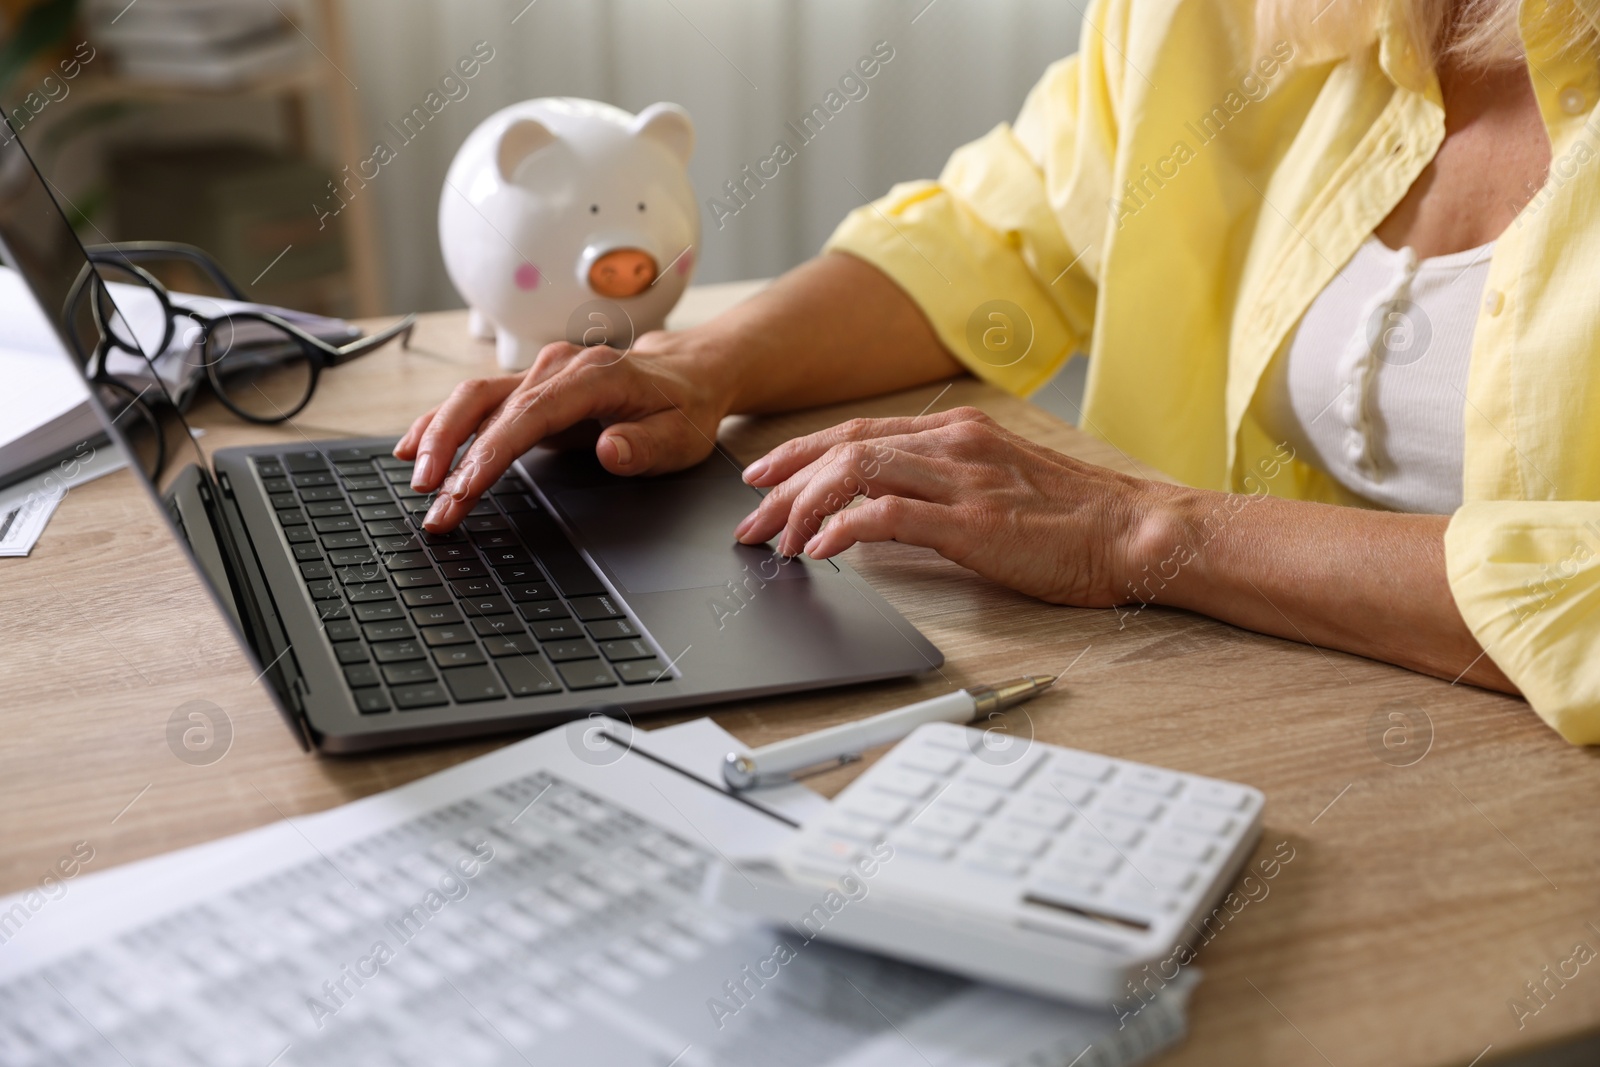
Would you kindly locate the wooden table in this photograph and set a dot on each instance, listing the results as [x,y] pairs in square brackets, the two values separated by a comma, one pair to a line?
[1419,900]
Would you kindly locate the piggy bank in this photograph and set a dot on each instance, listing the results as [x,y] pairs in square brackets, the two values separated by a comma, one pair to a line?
[566,219]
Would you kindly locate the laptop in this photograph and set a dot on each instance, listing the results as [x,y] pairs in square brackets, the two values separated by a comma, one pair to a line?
[567,591]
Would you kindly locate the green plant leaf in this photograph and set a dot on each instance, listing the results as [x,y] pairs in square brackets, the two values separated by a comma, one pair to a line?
[44,25]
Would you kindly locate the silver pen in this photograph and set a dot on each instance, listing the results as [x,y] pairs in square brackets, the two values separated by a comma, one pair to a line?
[776,763]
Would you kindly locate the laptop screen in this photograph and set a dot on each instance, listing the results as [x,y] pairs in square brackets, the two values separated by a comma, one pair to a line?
[40,245]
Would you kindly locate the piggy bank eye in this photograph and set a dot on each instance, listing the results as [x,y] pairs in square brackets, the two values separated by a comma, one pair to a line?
[641,205]
[594,209]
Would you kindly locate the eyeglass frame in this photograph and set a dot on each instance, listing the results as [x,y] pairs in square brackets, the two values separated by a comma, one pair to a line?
[126,257]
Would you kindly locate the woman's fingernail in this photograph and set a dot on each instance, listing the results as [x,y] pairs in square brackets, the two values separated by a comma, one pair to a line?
[744,526]
[756,469]
[624,449]
[422,473]
[436,513]
[812,544]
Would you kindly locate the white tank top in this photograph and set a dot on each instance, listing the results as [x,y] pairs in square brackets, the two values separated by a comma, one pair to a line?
[1373,385]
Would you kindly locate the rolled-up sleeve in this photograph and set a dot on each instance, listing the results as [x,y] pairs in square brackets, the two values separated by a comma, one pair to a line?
[985,251]
[1526,577]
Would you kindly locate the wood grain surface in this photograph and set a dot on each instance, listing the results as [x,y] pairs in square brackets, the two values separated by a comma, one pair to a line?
[1436,868]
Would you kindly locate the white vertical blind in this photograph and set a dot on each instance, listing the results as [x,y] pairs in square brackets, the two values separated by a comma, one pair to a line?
[743,68]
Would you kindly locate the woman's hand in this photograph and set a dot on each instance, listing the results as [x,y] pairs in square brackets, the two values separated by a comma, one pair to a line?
[658,404]
[957,483]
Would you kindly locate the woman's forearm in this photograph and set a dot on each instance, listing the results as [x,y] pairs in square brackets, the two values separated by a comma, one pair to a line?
[1368,582]
[835,328]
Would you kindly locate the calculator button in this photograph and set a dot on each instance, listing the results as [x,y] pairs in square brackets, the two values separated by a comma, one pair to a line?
[1013,838]
[1037,812]
[1164,874]
[874,805]
[1074,899]
[1149,780]
[1124,833]
[1183,846]
[953,738]
[830,851]
[1085,855]
[1126,802]
[904,783]
[974,798]
[1081,765]
[996,862]
[947,823]
[846,824]
[1072,791]
[923,844]
[1140,893]
[1218,795]
[1202,820]
[1004,775]
[1068,880]
[930,760]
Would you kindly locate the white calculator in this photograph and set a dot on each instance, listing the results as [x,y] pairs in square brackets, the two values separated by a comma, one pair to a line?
[1045,868]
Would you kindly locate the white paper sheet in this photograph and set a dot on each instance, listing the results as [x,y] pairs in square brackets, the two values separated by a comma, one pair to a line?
[25,508]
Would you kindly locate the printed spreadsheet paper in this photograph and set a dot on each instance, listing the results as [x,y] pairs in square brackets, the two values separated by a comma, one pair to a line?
[539,905]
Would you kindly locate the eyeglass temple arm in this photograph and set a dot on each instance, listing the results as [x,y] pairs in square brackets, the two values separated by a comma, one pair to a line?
[147,251]
[373,342]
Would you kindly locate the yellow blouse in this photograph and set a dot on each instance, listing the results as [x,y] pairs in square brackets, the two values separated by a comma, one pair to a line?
[1173,198]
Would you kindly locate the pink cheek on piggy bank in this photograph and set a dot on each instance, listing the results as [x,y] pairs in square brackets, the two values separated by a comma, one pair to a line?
[686,262]
[527,277]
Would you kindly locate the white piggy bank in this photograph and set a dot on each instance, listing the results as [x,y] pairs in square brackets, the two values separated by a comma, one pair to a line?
[566,219]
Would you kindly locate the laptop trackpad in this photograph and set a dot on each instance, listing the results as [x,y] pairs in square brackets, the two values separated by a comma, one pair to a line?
[656,536]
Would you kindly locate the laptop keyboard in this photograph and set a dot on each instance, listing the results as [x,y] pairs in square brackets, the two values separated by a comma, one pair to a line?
[501,607]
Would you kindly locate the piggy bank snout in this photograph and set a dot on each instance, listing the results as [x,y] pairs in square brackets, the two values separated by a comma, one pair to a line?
[623,272]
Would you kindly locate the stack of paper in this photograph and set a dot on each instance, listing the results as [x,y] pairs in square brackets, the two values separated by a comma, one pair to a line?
[205,43]
[540,904]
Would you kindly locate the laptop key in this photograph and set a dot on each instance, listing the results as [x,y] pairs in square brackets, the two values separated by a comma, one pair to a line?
[358,453]
[285,500]
[520,574]
[414,579]
[398,477]
[640,670]
[457,655]
[332,609]
[407,673]
[498,624]
[473,587]
[391,463]
[410,697]
[425,597]
[348,652]
[564,630]
[506,486]
[397,651]
[320,494]
[365,594]
[561,651]
[361,675]
[589,608]
[362,497]
[297,535]
[336,524]
[511,645]
[468,684]
[513,504]
[632,648]
[323,588]
[361,572]
[311,481]
[486,605]
[315,570]
[463,569]
[543,610]
[589,674]
[306,459]
[407,561]
[457,634]
[342,540]
[528,677]
[454,537]
[342,630]
[452,553]
[438,615]
[371,701]
[388,528]
[499,556]
[393,630]
[322,509]
[352,557]
[380,612]
[401,543]
[476,523]
[306,550]
[291,517]
[370,481]
[386,510]
[527,591]
[612,629]
[279,484]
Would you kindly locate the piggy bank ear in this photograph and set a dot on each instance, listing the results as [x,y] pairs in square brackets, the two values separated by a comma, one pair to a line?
[522,139]
[668,125]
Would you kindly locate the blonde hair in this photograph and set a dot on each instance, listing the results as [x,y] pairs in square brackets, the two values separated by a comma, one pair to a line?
[1480,34]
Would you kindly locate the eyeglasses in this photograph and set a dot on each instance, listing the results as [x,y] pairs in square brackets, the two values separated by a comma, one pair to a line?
[262,368]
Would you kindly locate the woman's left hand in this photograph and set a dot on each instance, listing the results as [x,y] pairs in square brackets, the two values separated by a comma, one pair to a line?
[956,482]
